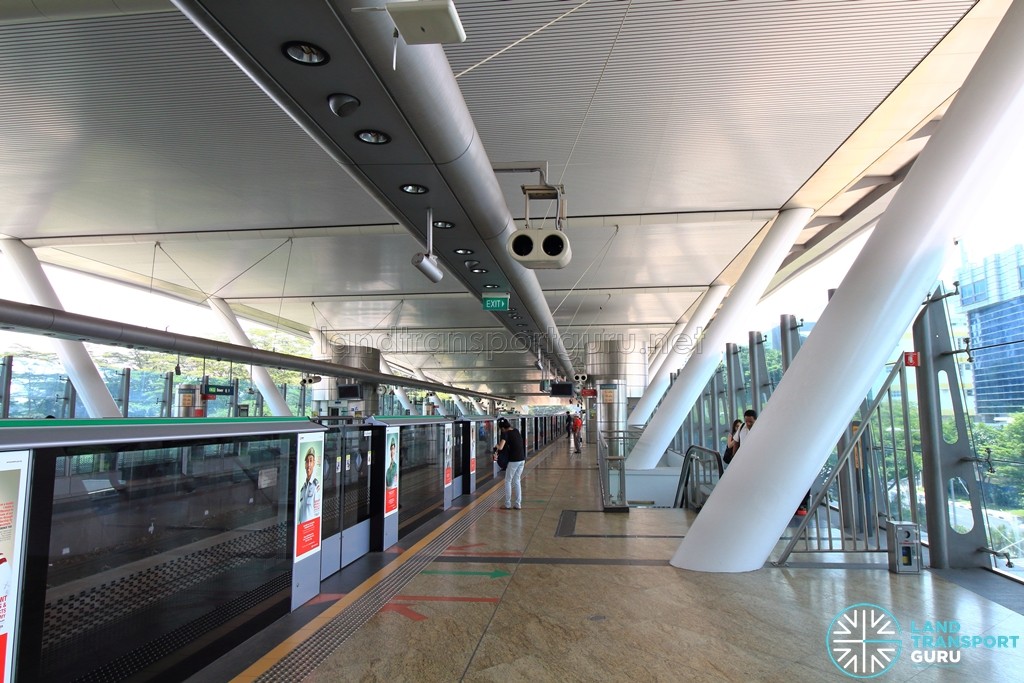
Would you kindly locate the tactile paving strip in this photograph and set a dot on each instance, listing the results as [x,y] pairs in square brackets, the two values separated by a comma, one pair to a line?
[312,652]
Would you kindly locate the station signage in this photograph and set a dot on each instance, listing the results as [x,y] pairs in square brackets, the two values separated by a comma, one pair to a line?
[495,301]
[218,390]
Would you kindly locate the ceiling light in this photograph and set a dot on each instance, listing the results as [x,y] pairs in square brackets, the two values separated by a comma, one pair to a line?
[516,317]
[463,252]
[427,263]
[478,270]
[373,137]
[413,188]
[521,325]
[444,225]
[490,286]
[305,53]
[512,309]
[342,104]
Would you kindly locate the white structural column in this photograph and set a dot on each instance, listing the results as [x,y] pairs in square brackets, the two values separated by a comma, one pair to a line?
[698,370]
[896,269]
[431,396]
[460,404]
[478,406]
[76,360]
[260,376]
[682,342]
[403,397]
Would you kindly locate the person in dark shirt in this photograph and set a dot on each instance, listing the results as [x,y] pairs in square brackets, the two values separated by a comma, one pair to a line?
[568,425]
[511,443]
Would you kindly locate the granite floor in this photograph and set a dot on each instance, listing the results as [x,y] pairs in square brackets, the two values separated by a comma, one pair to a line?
[558,591]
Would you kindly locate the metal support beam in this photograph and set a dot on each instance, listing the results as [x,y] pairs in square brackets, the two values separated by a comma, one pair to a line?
[54,322]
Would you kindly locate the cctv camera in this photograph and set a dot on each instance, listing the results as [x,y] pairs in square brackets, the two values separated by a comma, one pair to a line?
[428,266]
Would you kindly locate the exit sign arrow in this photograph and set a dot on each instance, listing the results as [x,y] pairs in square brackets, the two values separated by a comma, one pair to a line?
[495,301]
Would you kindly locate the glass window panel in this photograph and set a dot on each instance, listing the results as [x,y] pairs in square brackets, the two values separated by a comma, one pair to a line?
[155,544]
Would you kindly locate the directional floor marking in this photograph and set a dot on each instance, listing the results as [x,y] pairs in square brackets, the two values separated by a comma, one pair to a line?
[494,573]
[402,604]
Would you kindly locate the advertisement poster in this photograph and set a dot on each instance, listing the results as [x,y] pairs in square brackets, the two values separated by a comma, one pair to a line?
[309,495]
[13,480]
[391,473]
[472,455]
[447,455]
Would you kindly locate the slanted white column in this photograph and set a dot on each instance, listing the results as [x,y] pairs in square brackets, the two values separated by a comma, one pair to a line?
[675,353]
[76,360]
[431,396]
[260,376]
[698,370]
[403,397]
[876,302]
[460,404]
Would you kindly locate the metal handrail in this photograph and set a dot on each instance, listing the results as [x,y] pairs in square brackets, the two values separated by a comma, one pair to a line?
[691,458]
[844,458]
[604,459]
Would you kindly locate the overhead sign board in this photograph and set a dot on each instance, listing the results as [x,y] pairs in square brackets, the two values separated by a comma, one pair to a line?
[218,390]
[588,392]
[495,301]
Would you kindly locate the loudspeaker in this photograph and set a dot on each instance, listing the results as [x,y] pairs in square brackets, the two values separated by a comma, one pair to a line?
[540,248]
[579,378]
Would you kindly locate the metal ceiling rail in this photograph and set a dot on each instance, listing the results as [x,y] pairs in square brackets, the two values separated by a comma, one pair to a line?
[49,322]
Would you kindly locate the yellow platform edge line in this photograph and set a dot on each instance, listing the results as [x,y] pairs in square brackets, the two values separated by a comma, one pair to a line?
[282,650]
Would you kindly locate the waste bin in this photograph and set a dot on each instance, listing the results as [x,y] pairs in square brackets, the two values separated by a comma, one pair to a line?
[904,541]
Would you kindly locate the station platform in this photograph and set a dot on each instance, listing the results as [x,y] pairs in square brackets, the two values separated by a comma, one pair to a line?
[560,591]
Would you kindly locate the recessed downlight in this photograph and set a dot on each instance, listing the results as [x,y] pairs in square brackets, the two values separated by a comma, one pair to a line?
[373,137]
[343,104]
[521,325]
[444,225]
[463,252]
[413,188]
[490,285]
[306,54]
[478,270]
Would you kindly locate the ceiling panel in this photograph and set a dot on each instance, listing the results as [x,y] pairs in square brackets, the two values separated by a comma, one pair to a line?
[120,132]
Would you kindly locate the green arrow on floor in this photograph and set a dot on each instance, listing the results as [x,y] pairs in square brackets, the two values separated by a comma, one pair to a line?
[494,574]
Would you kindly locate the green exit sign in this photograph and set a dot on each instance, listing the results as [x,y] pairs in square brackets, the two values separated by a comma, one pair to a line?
[495,302]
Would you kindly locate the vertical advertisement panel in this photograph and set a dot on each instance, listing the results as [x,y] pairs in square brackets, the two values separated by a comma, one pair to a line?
[309,495]
[391,472]
[447,455]
[13,483]
[472,449]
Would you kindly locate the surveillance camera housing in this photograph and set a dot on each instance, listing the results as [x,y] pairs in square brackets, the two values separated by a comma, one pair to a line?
[428,266]
[540,248]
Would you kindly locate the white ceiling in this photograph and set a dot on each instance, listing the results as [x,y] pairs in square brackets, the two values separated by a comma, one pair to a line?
[133,148]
